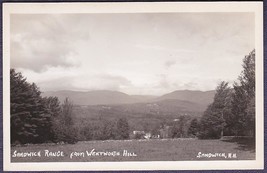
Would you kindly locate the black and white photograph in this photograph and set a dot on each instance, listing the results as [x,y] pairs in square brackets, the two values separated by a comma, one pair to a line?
[146,85]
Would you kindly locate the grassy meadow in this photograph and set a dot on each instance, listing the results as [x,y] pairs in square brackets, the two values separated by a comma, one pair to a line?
[137,150]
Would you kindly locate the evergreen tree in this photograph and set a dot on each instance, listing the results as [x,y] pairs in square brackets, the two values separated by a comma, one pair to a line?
[30,121]
[193,128]
[243,108]
[178,129]
[122,129]
[52,105]
[212,123]
[64,124]
[108,130]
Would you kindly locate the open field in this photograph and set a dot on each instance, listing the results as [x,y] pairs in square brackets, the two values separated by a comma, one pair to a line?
[141,150]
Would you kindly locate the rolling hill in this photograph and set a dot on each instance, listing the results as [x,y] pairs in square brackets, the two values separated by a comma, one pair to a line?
[99,97]
[198,97]
[106,97]
[177,101]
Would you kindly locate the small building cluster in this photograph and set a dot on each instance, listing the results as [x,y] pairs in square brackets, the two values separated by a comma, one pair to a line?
[164,132]
[142,135]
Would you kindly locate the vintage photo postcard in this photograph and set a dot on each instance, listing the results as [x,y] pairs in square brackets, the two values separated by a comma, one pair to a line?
[133,86]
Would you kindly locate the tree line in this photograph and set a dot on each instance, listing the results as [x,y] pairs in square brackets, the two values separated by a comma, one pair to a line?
[232,112]
[104,129]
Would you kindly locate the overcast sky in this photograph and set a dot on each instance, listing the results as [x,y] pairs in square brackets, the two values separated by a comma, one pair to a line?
[133,53]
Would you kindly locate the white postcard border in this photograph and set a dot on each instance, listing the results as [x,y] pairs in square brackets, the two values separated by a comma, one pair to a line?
[155,7]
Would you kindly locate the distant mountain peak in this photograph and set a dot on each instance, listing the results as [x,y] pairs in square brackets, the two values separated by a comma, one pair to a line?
[195,96]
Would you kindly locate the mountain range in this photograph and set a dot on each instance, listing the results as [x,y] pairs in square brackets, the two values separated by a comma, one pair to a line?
[182,99]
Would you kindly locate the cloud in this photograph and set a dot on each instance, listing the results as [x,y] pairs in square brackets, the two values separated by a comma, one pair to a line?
[169,63]
[190,85]
[38,55]
[164,83]
[101,82]
[42,41]
[62,78]
[126,52]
